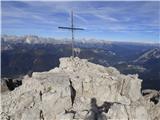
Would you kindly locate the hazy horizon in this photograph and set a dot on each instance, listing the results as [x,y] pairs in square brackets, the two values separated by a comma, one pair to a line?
[84,39]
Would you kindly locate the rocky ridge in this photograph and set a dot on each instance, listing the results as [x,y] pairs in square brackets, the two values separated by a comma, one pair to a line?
[101,93]
[151,54]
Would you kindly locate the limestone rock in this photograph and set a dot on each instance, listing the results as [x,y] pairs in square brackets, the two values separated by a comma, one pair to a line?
[47,95]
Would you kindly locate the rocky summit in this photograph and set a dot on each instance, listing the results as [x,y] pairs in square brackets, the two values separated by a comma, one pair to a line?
[80,90]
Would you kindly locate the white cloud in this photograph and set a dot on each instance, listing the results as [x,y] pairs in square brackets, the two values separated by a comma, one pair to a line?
[107,17]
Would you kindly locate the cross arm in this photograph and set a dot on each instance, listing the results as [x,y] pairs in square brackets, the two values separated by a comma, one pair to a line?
[70,28]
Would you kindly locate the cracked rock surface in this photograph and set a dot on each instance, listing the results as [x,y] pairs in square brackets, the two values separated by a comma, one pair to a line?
[47,95]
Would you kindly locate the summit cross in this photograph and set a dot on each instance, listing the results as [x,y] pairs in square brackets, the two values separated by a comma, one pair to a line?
[72,28]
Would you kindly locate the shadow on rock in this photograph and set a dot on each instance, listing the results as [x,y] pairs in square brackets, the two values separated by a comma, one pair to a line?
[96,112]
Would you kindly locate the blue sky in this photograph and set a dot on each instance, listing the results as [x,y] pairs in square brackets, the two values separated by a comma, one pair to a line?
[113,21]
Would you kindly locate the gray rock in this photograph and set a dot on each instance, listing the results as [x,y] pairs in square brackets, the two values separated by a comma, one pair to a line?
[90,81]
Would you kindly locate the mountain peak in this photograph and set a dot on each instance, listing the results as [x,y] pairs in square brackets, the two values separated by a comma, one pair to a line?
[78,89]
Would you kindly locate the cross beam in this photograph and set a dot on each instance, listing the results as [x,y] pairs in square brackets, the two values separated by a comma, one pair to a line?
[72,28]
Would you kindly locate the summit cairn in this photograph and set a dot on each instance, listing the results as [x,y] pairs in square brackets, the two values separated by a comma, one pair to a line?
[101,93]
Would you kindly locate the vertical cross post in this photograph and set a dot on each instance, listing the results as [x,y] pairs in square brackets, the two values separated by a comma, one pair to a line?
[72,34]
[72,28]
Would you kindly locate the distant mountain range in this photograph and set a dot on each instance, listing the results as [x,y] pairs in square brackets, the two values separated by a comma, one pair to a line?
[31,39]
